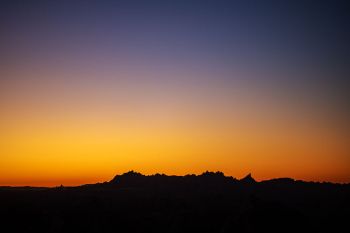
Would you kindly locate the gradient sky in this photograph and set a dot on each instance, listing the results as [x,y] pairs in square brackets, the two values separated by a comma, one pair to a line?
[90,89]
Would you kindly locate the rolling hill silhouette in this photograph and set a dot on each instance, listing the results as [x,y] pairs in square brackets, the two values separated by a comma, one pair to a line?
[210,202]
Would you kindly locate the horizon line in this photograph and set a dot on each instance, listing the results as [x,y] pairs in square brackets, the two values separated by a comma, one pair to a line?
[170,175]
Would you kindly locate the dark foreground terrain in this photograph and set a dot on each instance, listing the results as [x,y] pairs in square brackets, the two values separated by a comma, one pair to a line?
[210,202]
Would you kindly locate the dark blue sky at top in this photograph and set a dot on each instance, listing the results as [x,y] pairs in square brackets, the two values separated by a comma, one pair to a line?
[307,40]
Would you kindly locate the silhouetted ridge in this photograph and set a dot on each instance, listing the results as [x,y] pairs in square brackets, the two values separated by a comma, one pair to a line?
[207,180]
[130,178]
[128,175]
[248,179]
[213,174]
[136,175]
[207,203]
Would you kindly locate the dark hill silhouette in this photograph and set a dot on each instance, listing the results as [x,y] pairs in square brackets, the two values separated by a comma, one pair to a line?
[207,180]
[248,179]
[210,202]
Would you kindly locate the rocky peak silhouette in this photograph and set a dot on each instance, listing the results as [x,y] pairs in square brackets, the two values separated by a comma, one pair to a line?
[128,178]
[213,174]
[248,179]
[207,179]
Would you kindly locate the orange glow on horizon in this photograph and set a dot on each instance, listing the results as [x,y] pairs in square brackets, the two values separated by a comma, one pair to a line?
[49,139]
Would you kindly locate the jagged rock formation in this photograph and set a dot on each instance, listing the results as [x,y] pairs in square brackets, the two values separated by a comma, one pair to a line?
[248,179]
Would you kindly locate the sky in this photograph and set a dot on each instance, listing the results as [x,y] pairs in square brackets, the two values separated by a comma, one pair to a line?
[91,89]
